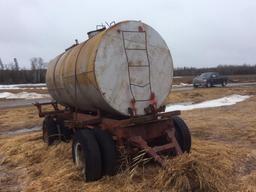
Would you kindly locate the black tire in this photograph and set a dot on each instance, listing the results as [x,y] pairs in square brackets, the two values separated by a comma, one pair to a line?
[182,134]
[195,86]
[208,84]
[66,134]
[108,151]
[86,153]
[224,83]
[50,131]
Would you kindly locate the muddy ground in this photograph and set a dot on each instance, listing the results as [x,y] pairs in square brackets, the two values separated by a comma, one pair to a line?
[223,155]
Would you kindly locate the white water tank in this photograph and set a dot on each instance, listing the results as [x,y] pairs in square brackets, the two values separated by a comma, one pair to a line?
[118,68]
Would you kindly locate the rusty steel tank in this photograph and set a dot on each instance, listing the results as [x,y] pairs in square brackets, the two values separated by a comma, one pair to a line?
[125,66]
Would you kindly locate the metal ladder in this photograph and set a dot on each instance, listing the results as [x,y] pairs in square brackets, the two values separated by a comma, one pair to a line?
[131,64]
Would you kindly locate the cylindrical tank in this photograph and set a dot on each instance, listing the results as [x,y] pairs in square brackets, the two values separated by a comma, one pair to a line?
[117,68]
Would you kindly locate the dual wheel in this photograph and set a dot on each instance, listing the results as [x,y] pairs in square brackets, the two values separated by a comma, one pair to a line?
[93,150]
[94,153]
[54,130]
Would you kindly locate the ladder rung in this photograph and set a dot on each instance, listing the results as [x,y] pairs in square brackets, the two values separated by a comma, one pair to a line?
[138,65]
[123,31]
[141,100]
[135,49]
[140,85]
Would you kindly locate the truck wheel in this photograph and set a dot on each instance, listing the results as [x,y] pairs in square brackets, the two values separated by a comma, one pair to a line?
[182,134]
[108,151]
[224,83]
[195,86]
[86,154]
[208,84]
[50,132]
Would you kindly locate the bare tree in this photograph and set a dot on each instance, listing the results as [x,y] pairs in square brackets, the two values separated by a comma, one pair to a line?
[16,65]
[37,64]
[1,65]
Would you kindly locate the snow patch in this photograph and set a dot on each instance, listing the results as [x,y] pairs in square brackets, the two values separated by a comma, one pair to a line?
[225,101]
[177,77]
[24,86]
[22,95]
[183,85]
[20,131]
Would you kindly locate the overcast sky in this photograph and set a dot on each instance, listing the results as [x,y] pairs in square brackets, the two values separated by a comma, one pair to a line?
[199,33]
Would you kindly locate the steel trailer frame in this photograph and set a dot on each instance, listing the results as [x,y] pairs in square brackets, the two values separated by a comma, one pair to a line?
[138,132]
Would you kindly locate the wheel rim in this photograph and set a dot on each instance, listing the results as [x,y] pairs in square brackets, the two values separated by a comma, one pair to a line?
[80,158]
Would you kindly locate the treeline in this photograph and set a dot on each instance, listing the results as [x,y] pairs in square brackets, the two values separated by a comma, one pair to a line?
[223,69]
[11,73]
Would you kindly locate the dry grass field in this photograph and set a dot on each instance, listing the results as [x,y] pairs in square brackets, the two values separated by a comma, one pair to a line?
[18,118]
[223,155]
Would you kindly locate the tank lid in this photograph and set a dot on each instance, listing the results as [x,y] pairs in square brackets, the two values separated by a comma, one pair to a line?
[95,32]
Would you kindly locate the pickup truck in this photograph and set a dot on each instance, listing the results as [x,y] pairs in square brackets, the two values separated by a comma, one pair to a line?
[210,79]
